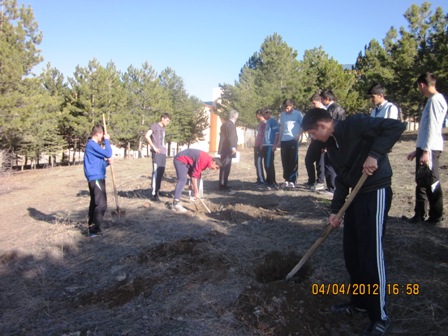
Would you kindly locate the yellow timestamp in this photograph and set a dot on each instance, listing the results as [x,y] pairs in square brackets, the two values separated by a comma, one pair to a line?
[364,289]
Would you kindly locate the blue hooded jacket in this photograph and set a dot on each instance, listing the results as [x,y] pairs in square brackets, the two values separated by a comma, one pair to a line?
[94,160]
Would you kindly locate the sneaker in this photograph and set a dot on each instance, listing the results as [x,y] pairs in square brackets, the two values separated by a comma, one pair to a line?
[93,235]
[224,188]
[347,308]
[378,328]
[165,194]
[286,185]
[155,198]
[93,228]
[308,185]
[317,187]
[413,220]
[179,208]
[436,222]
[326,192]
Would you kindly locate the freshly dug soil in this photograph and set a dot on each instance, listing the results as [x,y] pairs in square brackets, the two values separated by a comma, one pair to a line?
[157,272]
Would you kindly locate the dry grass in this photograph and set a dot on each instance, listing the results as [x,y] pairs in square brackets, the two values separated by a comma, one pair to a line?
[158,273]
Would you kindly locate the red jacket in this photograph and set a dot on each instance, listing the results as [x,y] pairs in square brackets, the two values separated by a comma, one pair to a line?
[196,161]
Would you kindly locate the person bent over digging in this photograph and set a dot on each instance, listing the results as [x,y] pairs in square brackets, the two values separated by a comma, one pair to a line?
[96,159]
[191,162]
[357,145]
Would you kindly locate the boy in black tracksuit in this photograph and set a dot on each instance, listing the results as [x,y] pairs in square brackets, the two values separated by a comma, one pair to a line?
[356,145]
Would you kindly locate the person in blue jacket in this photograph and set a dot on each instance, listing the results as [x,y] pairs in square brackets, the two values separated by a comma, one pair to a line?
[96,159]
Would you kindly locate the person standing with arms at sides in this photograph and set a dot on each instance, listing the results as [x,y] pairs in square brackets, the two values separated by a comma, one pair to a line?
[156,140]
[290,132]
[270,138]
[356,146]
[191,162]
[315,156]
[228,142]
[382,107]
[96,159]
[258,146]
[337,113]
[429,147]
[328,99]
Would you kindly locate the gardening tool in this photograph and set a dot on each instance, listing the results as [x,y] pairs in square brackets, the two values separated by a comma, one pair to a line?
[329,228]
[120,213]
[205,206]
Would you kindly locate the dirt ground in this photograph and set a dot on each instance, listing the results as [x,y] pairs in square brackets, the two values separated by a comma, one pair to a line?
[157,272]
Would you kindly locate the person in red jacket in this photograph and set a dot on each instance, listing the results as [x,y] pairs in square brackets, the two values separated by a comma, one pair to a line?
[191,162]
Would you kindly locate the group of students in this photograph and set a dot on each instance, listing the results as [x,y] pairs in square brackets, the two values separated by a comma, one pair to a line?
[286,135]
[272,135]
[356,145]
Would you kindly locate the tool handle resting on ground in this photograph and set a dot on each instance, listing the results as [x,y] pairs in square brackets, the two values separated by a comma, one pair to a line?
[112,170]
[329,228]
[205,206]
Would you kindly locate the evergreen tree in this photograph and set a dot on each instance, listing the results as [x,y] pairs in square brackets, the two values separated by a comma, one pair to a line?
[19,53]
[318,72]
[179,130]
[406,54]
[373,67]
[96,90]
[146,99]
[270,76]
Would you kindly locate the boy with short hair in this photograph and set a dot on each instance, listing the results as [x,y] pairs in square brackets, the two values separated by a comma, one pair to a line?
[357,145]
[258,146]
[382,107]
[156,140]
[429,147]
[270,138]
[191,162]
[289,135]
[96,159]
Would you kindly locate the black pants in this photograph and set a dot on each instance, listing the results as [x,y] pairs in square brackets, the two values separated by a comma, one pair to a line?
[268,156]
[158,169]
[364,229]
[224,171]
[313,156]
[290,160]
[98,202]
[329,173]
[258,162]
[429,195]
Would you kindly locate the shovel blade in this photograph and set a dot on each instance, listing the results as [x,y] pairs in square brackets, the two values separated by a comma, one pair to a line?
[119,213]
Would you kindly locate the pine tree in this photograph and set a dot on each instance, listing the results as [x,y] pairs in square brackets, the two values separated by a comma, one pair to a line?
[19,53]
[146,99]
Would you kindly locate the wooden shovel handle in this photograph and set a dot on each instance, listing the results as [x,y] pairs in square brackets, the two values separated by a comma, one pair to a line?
[205,206]
[329,228]
[111,168]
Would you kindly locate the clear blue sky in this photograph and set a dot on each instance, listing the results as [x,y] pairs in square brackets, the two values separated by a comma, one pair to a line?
[206,42]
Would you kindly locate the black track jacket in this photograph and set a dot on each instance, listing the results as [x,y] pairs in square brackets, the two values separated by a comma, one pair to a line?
[353,140]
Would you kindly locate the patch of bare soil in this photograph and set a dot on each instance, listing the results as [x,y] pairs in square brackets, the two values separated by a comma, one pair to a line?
[156,272]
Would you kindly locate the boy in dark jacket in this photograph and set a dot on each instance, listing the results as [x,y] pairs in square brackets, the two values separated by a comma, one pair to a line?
[228,143]
[355,146]
[96,159]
